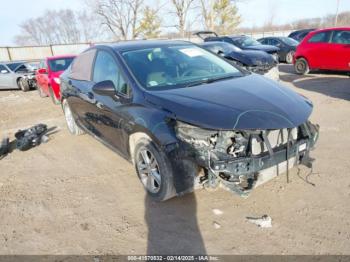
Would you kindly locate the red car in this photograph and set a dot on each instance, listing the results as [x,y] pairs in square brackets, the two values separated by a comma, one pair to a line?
[48,76]
[327,49]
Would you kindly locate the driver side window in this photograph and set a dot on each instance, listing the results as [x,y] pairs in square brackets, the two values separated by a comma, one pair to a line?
[106,68]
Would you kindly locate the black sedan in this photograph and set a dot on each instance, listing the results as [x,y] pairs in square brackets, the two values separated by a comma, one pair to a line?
[299,35]
[286,45]
[255,61]
[185,117]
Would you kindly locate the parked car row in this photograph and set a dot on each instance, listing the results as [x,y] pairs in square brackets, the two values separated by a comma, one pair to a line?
[189,116]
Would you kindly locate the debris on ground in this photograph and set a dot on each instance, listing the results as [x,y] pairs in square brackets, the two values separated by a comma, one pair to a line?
[264,221]
[31,137]
[4,147]
[216,225]
[217,212]
[26,139]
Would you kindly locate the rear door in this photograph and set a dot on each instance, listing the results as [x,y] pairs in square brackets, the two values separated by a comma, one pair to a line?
[78,89]
[340,50]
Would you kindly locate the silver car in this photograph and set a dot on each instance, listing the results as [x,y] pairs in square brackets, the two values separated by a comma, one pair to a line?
[17,75]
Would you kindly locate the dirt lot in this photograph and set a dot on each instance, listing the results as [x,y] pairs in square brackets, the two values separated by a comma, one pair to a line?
[75,196]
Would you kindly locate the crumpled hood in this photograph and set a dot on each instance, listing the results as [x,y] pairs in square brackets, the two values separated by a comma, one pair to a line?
[266,48]
[250,102]
[253,57]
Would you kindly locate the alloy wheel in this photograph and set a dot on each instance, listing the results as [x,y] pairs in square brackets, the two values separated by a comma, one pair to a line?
[148,169]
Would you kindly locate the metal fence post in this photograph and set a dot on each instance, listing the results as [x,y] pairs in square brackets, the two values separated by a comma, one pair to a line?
[51,49]
[9,53]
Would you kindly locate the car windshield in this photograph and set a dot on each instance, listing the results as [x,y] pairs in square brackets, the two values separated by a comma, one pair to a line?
[289,41]
[177,66]
[60,64]
[13,66]
[229,47]
[245,41]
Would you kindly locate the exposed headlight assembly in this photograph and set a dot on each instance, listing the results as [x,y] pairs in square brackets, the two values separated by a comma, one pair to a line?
[193,134]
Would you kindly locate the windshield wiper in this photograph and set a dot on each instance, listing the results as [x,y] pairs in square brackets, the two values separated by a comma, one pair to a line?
[211,80]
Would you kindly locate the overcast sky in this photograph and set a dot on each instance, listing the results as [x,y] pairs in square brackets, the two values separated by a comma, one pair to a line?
[254,12]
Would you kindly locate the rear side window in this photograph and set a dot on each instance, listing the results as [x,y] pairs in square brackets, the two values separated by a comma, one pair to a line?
[82,66]
[341,37]
[322,37]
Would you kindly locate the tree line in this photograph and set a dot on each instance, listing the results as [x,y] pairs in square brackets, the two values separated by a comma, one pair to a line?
[109,20]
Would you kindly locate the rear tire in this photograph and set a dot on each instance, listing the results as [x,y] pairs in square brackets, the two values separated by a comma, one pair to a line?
[301,66]
[55,101]
[73,128]
[289,57]
[23,84]
[154,170]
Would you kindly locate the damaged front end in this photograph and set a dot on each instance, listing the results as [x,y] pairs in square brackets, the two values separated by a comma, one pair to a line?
[240,160]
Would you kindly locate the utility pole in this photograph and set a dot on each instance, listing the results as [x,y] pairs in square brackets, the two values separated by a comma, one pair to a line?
[336,14]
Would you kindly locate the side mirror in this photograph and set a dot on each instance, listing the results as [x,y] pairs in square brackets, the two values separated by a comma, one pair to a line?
[42,71]
[220,53]
[104,88]
[4,71]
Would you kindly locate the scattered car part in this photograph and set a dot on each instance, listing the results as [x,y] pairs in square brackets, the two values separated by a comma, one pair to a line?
[30,137]
[185,117]
[264,222]
[4,147]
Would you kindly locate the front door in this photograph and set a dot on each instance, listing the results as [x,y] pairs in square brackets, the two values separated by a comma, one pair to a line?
[109,113]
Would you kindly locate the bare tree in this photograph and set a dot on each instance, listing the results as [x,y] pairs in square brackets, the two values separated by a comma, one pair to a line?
[122,17]
[182,8]
[59,27]
[207,11]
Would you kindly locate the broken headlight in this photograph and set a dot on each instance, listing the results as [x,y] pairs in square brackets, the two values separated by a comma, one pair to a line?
[194,135]
[224,143]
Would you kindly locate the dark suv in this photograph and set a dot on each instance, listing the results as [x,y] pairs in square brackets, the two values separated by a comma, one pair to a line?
[185,117]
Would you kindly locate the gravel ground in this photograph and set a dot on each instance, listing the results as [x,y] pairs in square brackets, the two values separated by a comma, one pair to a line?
[73,195]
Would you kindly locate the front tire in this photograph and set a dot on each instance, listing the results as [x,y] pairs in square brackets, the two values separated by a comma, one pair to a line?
[23,84]
[154,170]
[73,128]
[289,57]
[301,66]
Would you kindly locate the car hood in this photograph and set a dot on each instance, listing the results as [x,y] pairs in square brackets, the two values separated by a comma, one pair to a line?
[249,102]
[254,56]
[266,48]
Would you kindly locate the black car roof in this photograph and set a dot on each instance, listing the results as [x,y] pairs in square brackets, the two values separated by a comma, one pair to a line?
[140,44]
